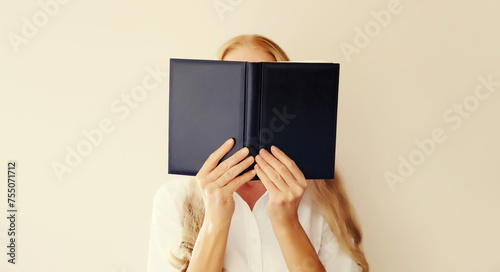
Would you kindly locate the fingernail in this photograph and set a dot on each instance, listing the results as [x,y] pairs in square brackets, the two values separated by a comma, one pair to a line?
[244,150]
[230,140]
[274,148]
[263,152]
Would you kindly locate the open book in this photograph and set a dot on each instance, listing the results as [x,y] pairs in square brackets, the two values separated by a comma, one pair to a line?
[292,105]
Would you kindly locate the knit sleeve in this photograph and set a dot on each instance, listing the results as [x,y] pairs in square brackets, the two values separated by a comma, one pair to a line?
[166,224]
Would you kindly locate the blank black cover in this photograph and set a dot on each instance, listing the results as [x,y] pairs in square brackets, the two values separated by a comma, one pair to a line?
[291,105]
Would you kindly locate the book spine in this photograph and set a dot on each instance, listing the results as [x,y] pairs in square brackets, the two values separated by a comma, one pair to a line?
[252,107]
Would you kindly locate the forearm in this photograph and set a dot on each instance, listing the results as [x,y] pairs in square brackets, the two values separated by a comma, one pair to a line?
[296,247]
[209,249]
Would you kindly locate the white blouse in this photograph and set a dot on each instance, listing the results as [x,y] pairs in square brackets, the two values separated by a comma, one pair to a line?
[251,245]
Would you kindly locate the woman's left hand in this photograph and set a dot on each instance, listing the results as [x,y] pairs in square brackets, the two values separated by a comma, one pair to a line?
[285,183]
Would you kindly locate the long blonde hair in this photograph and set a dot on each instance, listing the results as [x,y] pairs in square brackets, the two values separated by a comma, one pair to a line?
[328,194]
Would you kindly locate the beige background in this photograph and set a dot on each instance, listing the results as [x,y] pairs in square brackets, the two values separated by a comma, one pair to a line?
[393,91]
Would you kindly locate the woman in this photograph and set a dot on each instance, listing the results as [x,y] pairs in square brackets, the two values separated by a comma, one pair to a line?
[220,221]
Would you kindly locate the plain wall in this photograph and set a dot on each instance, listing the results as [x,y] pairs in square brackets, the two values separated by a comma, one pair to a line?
[400,84]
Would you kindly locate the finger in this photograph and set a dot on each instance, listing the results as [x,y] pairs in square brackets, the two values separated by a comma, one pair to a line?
[270,186]
[272,175]
[278,166]
[215,157]
[289,163]
[236,183]
[234,171]
[224,166]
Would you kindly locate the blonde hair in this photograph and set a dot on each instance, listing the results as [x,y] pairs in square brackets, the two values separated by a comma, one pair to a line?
[338,211]
[253,41]
[328,194]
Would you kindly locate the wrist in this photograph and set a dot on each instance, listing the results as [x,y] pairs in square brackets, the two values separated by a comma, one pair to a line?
[281,218]
[214,225]
[285,227]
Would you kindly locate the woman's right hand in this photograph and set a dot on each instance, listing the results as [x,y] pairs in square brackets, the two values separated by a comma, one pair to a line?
[219,182]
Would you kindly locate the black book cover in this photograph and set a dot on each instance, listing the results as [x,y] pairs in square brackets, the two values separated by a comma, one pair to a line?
[292,105]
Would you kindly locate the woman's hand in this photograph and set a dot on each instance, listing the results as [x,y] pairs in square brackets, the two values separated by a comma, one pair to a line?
[285,183]
[219,182]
